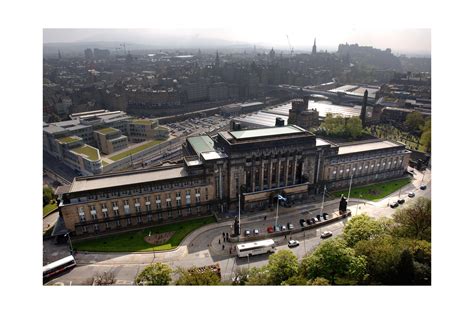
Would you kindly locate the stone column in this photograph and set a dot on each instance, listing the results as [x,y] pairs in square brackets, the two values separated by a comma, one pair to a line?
[270,173]
[295,163]
[252,176]
[287,162]
[277,177]
[262,172]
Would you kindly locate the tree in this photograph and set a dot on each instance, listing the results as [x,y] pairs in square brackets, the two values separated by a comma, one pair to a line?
[334,259]
[333,125]
[425,139]
[259,276]
[405,268]
[195,277]
[156,274]
[319,282]
[353,127]
[295,281]
[48,195]
[282,266]
[106,278]
[361,227]
[414,121]
[414,221]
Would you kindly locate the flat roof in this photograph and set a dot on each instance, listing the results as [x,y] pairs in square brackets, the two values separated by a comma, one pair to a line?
[321,142]
[213,155]
[201,144]
[68,139]
[107,130]
[89,152]
[142,121]
[81,184]
[356,148]
[266,132]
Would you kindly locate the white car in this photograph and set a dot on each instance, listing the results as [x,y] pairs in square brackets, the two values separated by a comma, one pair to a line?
[411,194]
[293,243]
[255,231]
[326,234]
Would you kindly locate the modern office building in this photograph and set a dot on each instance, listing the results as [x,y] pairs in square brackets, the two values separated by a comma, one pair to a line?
[110,140]
[140,130]
[258,164]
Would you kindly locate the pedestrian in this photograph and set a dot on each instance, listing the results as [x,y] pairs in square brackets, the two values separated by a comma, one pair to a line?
[223,246]
[265,217]
[219,241]
[230,251]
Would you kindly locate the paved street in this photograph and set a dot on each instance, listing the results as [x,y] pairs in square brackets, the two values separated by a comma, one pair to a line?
[202,246]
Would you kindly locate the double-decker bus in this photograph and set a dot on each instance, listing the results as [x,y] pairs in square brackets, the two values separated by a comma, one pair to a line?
[255,248]
[58,266]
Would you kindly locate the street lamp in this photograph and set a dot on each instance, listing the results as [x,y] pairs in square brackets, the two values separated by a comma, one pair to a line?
[70,243]
[153,246]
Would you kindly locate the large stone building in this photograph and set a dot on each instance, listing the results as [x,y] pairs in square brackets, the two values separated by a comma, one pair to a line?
[258,164]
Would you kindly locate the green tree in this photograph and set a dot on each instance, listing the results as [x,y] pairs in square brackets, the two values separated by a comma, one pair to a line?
[414,121]
[319,282]
[382,255]
[406,268]
[361,227]
[353,127]
[295,281]
[281,266]
[259,276]
[414,221]
[333,125]
[333,259]
[425,139]
[48,195]
[195,277]
[156,274]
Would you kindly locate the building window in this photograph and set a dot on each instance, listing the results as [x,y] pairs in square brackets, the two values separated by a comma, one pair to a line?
[189,211]
[117,223]
[170,214]
[178,202]
[129,221]
[160,216]
[148,207]
[149,217]
[180,212]
[139,219]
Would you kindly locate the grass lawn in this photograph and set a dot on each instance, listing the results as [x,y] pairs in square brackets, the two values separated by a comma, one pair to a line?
[49,208]
[135,150]
[133,241]
[375,191]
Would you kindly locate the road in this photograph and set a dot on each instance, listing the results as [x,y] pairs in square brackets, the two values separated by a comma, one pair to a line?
[203,247]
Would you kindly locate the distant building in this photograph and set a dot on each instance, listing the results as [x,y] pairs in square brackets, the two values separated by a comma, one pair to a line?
[301,116]
[101,53]
[88,54]
[110,140]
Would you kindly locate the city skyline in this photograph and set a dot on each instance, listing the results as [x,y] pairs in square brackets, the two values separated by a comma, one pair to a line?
[400,41]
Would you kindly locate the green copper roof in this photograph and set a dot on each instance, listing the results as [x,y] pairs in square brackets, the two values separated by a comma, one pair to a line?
[201,144]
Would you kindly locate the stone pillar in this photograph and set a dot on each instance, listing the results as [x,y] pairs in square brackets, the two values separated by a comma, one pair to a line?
[287,162]
[270,173]
[277,177]
[262,172]
[295,163]
[252,175]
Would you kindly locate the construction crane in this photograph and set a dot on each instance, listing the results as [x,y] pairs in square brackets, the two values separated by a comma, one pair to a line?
[289,45]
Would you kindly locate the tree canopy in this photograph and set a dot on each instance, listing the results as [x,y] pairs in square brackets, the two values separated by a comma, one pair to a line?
[338,126]
[414,121]
[282,266]
[414,221]
[195,277]
[334,259]
[156,274]
[361,227]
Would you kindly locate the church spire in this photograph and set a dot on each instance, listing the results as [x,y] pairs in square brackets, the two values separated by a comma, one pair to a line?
[313,52]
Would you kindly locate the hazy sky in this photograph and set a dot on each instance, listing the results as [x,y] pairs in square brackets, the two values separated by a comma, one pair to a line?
[399,40]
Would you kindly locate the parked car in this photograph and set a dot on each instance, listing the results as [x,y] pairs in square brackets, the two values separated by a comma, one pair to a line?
[277,228]
[401,201]
[270,229]
[283,228]
[247,233]
[325,216]
[290,226]
[309,221]
[293,243]
[255,231]
[422,187]
[326,234]
[318,217]
[315,219]
[393,204]
[302,222]
[411,194]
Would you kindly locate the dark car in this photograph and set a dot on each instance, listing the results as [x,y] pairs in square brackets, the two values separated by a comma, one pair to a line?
[309,221]
[422,187]
[326,234]
[401,201]
[318,217]
[290,226]
[302,222]
[393,204]
[325,216]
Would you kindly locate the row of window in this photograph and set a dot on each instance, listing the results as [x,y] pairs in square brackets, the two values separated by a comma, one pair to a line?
[354,157]
[149,218]
[363,169]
